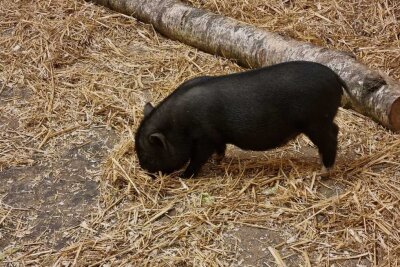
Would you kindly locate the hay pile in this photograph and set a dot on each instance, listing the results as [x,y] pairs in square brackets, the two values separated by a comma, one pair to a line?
[67,66]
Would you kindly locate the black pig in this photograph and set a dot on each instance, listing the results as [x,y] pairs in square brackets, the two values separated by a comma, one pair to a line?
[254,110]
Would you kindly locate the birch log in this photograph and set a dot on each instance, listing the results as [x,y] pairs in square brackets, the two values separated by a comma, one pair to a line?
[373,93]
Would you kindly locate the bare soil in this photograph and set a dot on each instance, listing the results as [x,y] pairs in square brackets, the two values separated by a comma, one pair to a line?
[52,194]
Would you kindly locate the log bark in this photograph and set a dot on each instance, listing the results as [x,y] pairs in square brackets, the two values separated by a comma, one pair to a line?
[372,93]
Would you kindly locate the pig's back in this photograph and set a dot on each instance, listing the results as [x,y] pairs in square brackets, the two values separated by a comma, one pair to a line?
[264,108]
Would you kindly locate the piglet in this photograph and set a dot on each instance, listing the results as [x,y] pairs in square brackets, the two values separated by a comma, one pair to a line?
[256,110]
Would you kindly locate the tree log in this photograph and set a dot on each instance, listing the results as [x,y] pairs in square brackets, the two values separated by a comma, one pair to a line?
[372,93]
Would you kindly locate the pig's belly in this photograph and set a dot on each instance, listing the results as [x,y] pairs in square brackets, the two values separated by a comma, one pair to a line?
[257,142]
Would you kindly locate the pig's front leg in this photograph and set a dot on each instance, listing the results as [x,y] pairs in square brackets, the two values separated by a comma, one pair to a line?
[220,153]
[201,152]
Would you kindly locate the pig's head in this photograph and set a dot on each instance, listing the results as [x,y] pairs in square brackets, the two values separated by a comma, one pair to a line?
[160,147]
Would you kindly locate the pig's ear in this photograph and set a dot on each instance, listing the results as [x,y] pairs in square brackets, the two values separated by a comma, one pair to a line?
[147,109]
[158,139]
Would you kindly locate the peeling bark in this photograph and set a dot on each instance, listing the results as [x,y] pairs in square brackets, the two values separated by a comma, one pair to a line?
[373,94]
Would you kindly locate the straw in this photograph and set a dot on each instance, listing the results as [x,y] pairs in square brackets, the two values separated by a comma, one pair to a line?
[67,67]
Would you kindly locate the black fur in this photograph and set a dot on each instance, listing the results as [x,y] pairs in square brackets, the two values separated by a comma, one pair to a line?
[255,110]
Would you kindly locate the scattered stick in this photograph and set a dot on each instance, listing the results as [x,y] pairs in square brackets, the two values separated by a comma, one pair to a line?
[277,257]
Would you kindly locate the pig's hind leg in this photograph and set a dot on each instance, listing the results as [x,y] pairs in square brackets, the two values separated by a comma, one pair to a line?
[324,136]
[202,150]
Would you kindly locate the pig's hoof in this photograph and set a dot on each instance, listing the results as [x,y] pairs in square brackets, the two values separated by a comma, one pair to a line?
[326,172]
[187,175]
[218,158]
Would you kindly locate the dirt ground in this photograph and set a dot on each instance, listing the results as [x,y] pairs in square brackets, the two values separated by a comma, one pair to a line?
[73,81]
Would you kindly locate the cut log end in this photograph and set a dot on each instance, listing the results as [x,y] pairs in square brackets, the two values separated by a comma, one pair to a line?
[394,115]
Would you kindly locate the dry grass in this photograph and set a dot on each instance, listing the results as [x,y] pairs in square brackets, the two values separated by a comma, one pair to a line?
[65,65]
[368,29]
